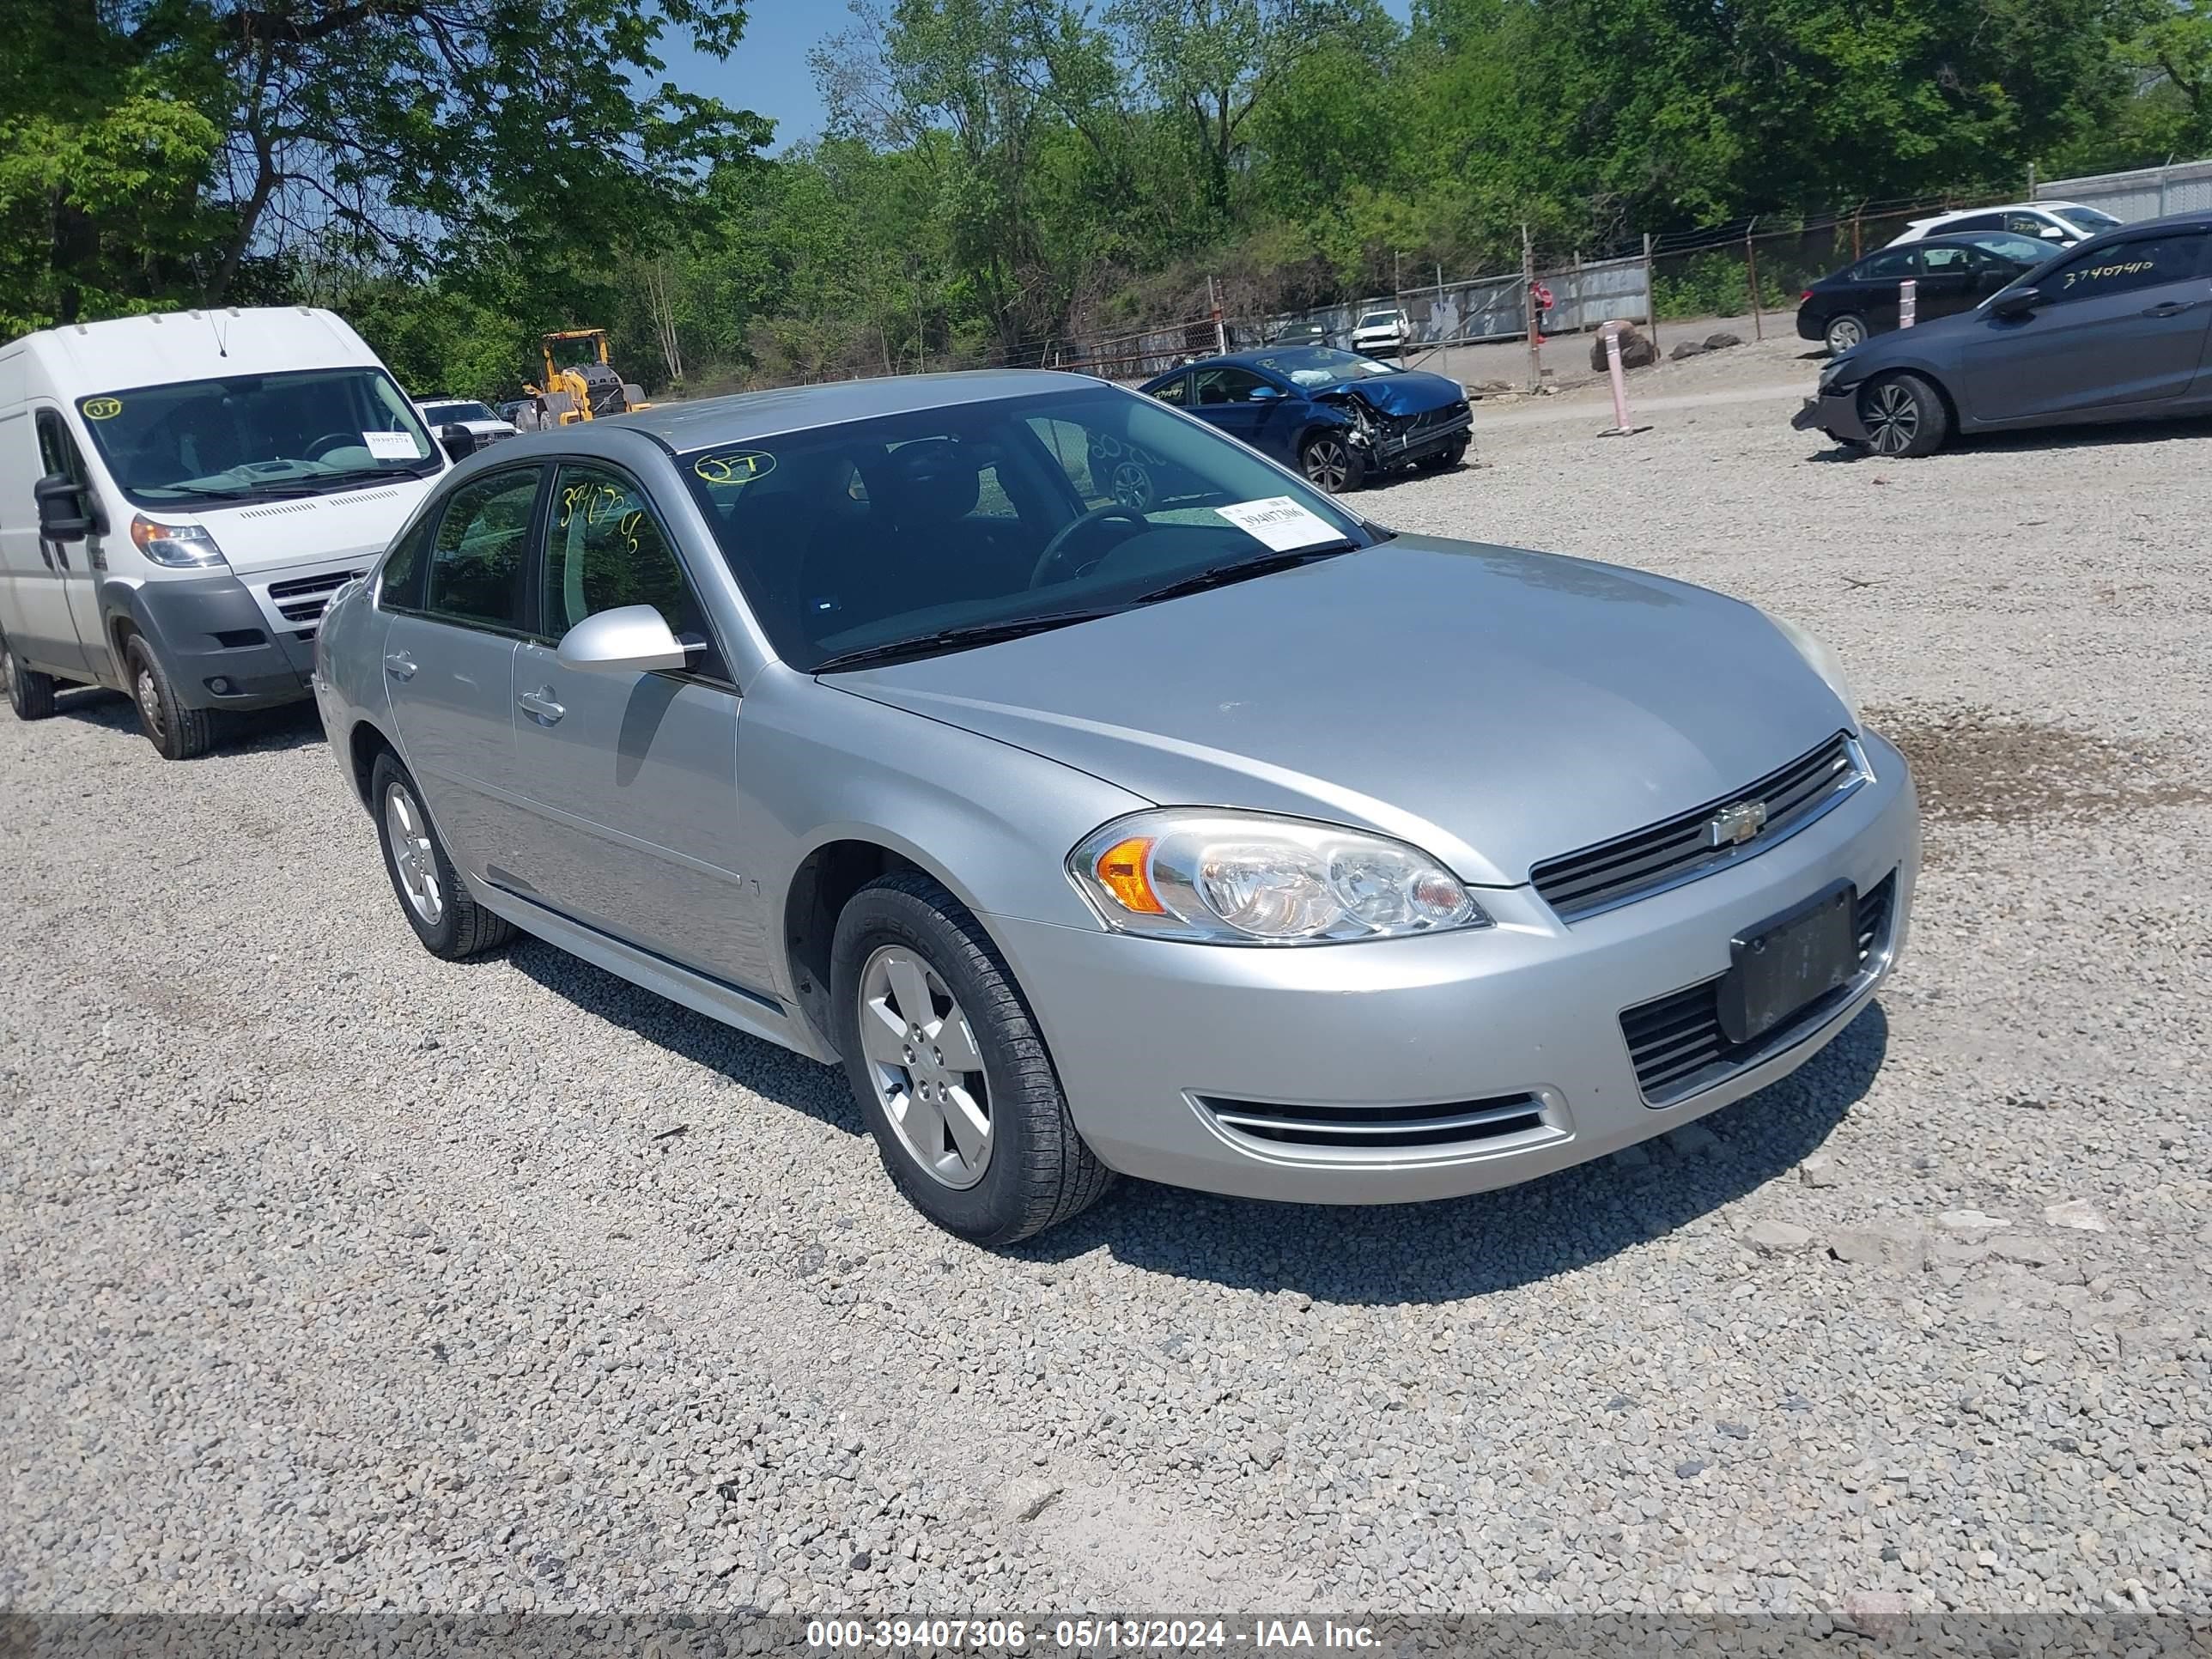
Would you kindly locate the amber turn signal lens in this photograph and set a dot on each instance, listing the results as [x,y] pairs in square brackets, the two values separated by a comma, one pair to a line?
[1121,873]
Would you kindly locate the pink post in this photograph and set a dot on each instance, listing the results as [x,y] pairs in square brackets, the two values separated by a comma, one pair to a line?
[1620,427]
[1907,302]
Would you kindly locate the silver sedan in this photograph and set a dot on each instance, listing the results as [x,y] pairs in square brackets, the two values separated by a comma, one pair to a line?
[1104,799]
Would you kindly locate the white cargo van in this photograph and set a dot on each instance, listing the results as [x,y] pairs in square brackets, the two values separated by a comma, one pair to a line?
[180,496]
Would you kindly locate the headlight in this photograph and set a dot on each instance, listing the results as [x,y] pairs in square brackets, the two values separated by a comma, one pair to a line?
[1834,371]
[1822,661]
[178,545]
[1223,877]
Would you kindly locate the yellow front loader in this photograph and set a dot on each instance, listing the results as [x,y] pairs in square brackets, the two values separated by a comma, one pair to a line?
[578,385]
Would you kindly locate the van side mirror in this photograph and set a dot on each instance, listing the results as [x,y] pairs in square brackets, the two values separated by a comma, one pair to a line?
[62,515]
[631,638]
[457,441]
[2017,302]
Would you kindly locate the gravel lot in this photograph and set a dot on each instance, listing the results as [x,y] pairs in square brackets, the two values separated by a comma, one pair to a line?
[338,1277]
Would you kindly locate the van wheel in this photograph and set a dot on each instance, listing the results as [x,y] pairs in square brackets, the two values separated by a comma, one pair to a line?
[30,693]
[1904,415]
[433,898]
[179,733]
[951,1071]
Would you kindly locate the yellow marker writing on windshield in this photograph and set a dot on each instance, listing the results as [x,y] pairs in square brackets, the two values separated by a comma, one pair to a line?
[101,409]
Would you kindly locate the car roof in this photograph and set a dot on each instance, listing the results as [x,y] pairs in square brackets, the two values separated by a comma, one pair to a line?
[799,408]
[1999,207]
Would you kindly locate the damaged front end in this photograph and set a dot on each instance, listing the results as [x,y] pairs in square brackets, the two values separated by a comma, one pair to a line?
[1397,423]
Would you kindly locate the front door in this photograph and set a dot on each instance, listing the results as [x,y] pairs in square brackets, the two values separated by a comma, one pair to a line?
[458,594]
[2120,324]
[632,777]
[57,595]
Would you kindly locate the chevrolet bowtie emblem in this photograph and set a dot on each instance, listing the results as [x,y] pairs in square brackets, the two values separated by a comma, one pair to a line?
[1736,823]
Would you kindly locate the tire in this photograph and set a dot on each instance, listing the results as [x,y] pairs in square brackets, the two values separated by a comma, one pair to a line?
[1032,1170]
[1445,458]
[1903,416]
[1845,331]
[1329,461]
[177,733]
[30,693]
[448,920]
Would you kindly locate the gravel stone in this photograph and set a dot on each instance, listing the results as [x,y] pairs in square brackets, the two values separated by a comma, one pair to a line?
[2077,1212]
[1770,1237]
[603,1369]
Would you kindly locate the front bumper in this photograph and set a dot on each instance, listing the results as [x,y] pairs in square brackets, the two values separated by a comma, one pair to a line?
[1835,412]
[1410,439]
[1155,1040]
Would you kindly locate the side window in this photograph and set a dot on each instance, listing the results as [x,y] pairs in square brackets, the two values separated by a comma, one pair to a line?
[400,587]
[2128,266]
[1978,222]
[1947,261]
[1890,266]
[1226,385]
[1069,446]
[604,549]
[58,456]
[1175,392]
[2030,224]
[476,566]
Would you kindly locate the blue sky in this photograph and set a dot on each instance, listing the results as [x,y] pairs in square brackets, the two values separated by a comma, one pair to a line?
[767,73]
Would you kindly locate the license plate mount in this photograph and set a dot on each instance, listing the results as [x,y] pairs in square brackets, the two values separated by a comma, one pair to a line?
[1779,966]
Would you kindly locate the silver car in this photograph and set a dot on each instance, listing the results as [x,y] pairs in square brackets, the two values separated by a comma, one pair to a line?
[1105,798]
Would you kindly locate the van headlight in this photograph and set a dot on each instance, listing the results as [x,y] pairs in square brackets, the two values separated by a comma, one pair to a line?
[1823,661]
[178,545]
[1223,877]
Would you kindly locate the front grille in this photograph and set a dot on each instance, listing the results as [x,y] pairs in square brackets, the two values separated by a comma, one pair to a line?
[1377,1128]
[1680,849]
[1676,1043]
[302,600]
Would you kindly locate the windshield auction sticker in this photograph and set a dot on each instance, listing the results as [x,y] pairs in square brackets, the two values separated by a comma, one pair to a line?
[389,445]
[1280,522]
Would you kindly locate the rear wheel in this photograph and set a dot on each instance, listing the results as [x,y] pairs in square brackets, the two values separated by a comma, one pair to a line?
[950,1069]
[1844,333]
[1330,461]
[178,732]
[1904,415]
[30,693]
[432,895]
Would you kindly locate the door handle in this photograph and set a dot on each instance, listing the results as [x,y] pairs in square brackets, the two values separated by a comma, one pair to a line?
[540,707]
[2171,309]
[399,666]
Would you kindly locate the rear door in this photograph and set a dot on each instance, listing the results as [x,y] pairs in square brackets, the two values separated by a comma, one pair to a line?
[459,595]
[631,778]
[1875,284]
[2120,326]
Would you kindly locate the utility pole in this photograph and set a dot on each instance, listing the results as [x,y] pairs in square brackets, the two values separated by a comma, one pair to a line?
[1651,296]
[1220,334]
[1751,275]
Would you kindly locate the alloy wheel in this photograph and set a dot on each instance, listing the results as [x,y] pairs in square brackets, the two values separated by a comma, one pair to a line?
[1844,333]
[1892,419]
[924,1065]
[413,856]
[1133,487]
[1328,464]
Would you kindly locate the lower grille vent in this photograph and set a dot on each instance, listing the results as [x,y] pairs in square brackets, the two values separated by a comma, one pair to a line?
[1378,1128]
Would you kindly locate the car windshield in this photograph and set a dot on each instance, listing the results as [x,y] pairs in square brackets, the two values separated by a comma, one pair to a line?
[256,437]
[1324,365]
[2089,219]
[438,414]
[934,530]
[1379,320]
[2010,245]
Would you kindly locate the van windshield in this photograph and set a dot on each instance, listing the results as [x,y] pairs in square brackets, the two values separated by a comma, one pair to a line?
[258,437]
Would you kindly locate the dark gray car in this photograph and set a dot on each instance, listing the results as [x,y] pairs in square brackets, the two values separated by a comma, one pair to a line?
[2119,328]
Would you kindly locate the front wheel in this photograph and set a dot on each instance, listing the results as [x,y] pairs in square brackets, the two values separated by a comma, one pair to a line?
[1329,461]
[30,693]
[178,734]
[1844,333]
[951,1071]
[1904,415]
[436,902]
[1445,458]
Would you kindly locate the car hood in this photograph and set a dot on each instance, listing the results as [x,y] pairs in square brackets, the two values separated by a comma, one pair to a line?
[1494,706]
[1413,392]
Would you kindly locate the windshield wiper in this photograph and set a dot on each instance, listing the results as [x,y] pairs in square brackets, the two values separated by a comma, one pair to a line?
[1220,575]
[954,639]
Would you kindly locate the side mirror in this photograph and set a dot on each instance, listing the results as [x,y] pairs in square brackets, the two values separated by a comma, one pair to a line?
[2016,302]
[2052,233]
[62,515]
[633,639]
[1264,394]
[460,442]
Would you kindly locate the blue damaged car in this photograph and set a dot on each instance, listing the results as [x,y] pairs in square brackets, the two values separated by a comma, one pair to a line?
[1337,417]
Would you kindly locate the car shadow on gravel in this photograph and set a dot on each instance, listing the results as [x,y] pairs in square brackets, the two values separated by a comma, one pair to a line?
[774,1073]
[1469,1246]
[261,732]
[2042,441]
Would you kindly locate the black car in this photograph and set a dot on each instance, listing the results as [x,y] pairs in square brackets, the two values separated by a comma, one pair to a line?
[1337,417]
[1312,334]
[2118,328]
[1951,274]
